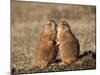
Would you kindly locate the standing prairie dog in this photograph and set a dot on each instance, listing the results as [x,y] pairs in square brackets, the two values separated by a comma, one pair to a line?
[68,45]
[47,48]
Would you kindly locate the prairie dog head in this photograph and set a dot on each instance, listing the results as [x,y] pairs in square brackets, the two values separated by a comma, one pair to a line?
[63,26]
[50,26]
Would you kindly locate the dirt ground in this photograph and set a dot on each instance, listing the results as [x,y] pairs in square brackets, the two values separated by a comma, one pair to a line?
[87,59]
[28,19]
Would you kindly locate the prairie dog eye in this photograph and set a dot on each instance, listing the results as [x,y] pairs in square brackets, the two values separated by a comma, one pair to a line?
[59,25]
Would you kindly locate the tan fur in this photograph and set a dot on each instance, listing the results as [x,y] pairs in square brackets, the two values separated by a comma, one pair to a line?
[47,49]
[68,44]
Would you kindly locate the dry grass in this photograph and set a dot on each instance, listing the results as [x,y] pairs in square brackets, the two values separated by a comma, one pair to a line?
[29,18]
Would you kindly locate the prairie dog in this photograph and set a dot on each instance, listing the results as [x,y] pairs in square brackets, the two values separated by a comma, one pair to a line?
[47,48]
[68,45]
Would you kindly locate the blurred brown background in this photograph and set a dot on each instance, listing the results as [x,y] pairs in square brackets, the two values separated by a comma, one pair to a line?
[28,19]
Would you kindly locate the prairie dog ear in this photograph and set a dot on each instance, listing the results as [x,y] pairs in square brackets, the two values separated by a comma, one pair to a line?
[64,23]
